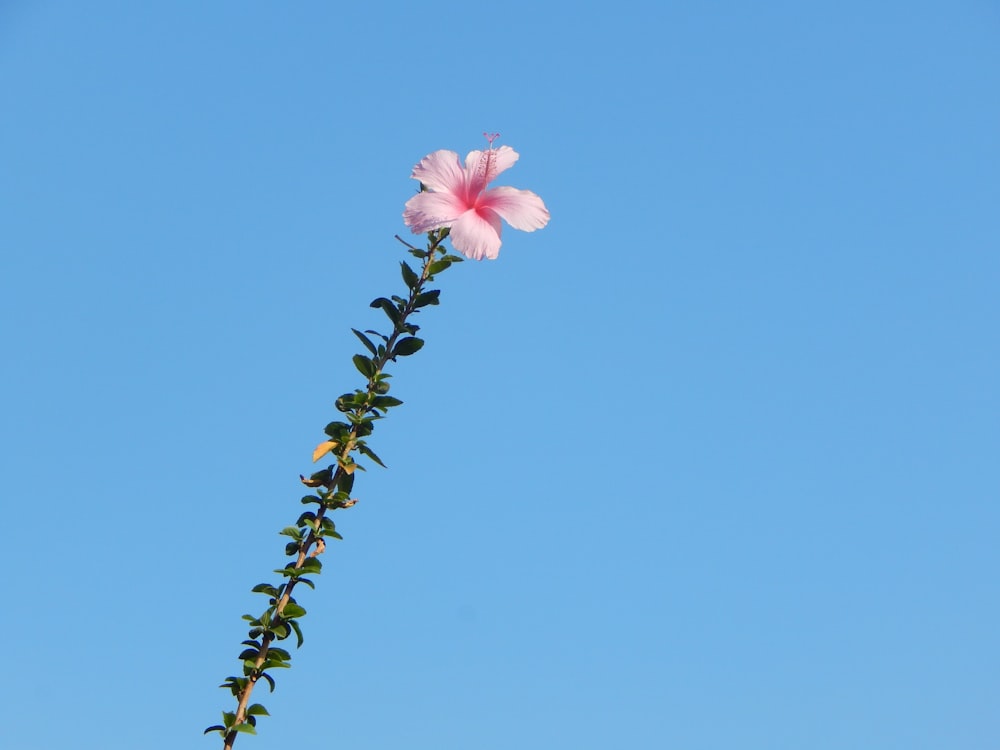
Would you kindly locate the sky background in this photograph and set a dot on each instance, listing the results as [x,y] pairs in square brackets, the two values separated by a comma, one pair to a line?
[710,462]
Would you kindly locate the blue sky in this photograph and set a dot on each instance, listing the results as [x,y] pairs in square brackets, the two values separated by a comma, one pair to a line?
[710,462]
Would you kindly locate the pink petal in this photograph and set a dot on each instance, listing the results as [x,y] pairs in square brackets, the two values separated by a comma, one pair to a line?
[427,211]
[481,167]
[522,209]
[441,171]
[476,234]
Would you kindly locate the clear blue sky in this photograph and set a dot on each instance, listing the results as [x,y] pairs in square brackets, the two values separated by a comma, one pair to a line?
[711,462]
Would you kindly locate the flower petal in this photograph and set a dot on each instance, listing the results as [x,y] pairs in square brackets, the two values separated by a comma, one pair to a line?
[522,209]
[427,211]
[441,171]
[481,167]
[476,234]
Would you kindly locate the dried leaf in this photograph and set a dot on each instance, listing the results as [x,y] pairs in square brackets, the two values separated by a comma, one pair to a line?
[323,448]
[319,549]
[310,482]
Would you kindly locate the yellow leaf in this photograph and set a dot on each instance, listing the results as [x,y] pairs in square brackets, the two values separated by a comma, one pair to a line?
[323,448]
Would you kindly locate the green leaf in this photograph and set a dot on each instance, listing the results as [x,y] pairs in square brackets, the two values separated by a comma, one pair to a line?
[257,710]
[277,665]
[292,531]
[308,518]
[311,499]
[364,364]
[249,654]
[311,566]
[245,729]
[427,298]
[278,653]
[410,277]
[217,728]
[292,610]
[388,308]
[406,347]
[270,680]
[228,717]
[338,431]
[438,266]
[365,450]
[345,483]
[366,341]
[385,402]
[298,632]
[292,548]
[308,583]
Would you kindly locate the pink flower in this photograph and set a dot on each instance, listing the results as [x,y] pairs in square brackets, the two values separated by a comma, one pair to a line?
[457,197]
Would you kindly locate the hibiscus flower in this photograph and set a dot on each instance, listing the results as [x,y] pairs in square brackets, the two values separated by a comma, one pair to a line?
[457,197]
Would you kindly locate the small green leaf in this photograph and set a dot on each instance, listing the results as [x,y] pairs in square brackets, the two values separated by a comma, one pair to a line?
[292,610]
[388,308]
[270,680]
[245,729]
[366,341]
[345,483]
[406,347]
[311,566]
[308,583]
[249,654]
[410,277]
[298,631]
[385,402]
[217,728]
[311,499]
[364,364]
[257,710]
[291,531]
[427,298]
[228,717]
[365,450]
[292,548]
[278,653]
[277,665]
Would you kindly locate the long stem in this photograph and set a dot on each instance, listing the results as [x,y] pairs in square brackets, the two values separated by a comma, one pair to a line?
[345,450]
